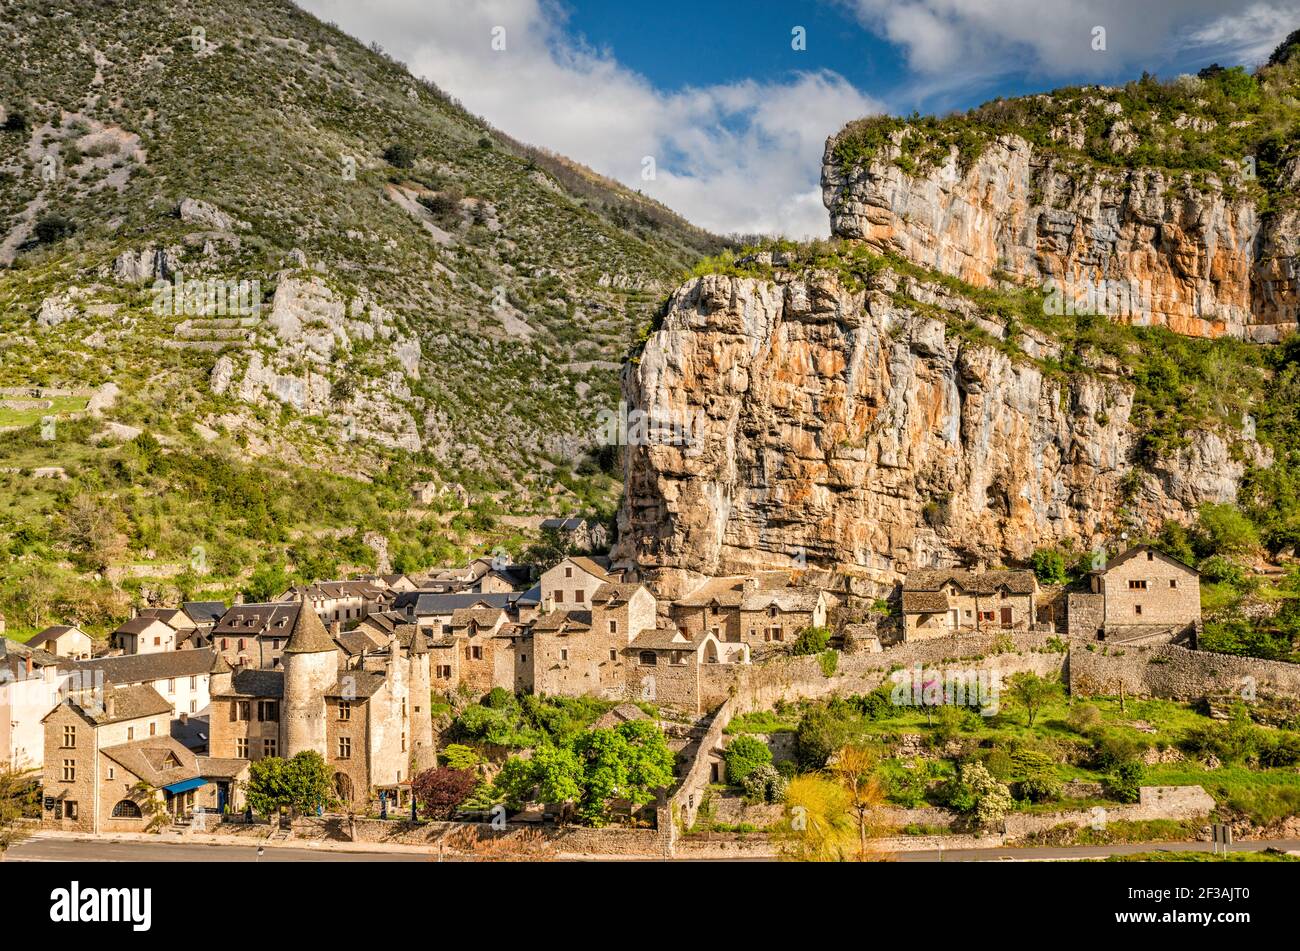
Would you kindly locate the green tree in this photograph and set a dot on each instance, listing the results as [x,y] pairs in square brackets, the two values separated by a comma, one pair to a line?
[17,796]
[1223,529]
[1049,566]
[811,640]
[400,155]
[301,784]
[1032,692]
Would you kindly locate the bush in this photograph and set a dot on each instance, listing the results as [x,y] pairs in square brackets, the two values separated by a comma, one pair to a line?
[1083,718]
[1126,781]
[1111,750]
[1042,787]
[440,791]
[974,792]
[1223,529]
[764,784]
[829,661]
[819,734]
[877,705]
[743,755]
[400,155]
[1233,741]
[54,227]
[1049,566]
[16,121]
[812,640]
[458,756]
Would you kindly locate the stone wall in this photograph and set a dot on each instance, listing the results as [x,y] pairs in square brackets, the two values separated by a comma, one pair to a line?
[1176,673]
[1155,802]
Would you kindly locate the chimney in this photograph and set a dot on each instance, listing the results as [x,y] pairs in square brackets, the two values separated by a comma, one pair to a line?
[239,598]
[336,628]
[110,705]
[29,665]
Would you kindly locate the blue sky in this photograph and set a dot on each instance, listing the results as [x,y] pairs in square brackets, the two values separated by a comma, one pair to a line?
[706,106]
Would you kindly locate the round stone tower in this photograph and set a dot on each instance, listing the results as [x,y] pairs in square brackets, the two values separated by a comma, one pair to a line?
[424,755]
[311,667]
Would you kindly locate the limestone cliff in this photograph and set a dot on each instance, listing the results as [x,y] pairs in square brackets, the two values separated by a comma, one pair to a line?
[837,426]
[1185,190]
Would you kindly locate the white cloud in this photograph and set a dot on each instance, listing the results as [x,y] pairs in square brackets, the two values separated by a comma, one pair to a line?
[953,43]
[737,157]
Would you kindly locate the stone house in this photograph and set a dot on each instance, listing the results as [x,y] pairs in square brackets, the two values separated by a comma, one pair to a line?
[368,716]
[664,666]
[713,607]
[188,633]
[179,676]
[254,635]
[1143,594]
[485,639]
[75,771]
[571,583]
[938,602]
[144,635]
[205,615]
[768,617]
[341,602]
[433,611]
[64,640]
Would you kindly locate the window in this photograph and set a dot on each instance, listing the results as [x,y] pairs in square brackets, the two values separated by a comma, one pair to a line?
[268,711]
[126,809]
[171,685]
[130,733]
[69,770]
[1135,584]
[268,747]
[157,642]
[69,809]
[579,595]
[225,644]
[476,653]
[648,658]
[613,654]
[564,653]
[194,683]
[194,706]
[69,737]
[153,727]
[1173,582]
[613,627]
[345,747]
[1137,609]
[444,671]
[403,742]
[345,710]
[559,597]
[243,710]
[241,643]
[112,773]
[1151,556]
[241,747]
[568,571]
[771,612]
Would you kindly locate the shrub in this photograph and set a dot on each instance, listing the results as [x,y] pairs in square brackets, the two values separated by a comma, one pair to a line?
[1049,566]
[1083,718]
[1042,787]
[440,791]
[743,755]
[764,784]
[16,121]
[1126,781]
[877,705]
[1233,741]
[54,227]
[974,792]
[458,756]
[400,155]
[829,660]
[1223,529]
[819,734]
[1110,750]
[812,640]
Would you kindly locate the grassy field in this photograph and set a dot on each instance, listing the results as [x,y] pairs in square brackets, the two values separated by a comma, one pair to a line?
[25,411]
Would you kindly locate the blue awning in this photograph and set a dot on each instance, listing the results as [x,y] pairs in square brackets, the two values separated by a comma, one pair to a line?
[185,785]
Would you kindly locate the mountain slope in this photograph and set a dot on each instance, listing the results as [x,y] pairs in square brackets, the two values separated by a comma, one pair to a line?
[422,297]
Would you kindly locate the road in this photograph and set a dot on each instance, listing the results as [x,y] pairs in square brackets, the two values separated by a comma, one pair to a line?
[41,848]
[49,849]
[1049,853]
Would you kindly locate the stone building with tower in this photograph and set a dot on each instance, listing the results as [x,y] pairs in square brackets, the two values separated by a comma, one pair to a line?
[367,714]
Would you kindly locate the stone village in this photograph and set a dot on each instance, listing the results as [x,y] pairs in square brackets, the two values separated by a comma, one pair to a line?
[181,700]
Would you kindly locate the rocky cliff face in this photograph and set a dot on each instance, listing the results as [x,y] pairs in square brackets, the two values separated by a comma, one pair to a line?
[817,424]
[1204,261]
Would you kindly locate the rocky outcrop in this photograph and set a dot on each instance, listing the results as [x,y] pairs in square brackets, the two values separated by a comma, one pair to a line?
[1201,256]
[813,424]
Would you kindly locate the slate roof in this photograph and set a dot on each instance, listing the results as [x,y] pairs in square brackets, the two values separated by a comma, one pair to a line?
[560,620]
[484,617]
[594,565]
[128,703]
[666,638]
[564,524]
[309,635]
[217,767]
[385,622]
[142,668]
[158,760]
[172,617]
[138,625]
[254,682]
[356,685]
[204,612]
[924,602]
[253,620]
[618,593]
[1017,581]
[434,604]
[1140,549]
[727,592]
[51,633]
[357,642]
[786,599]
